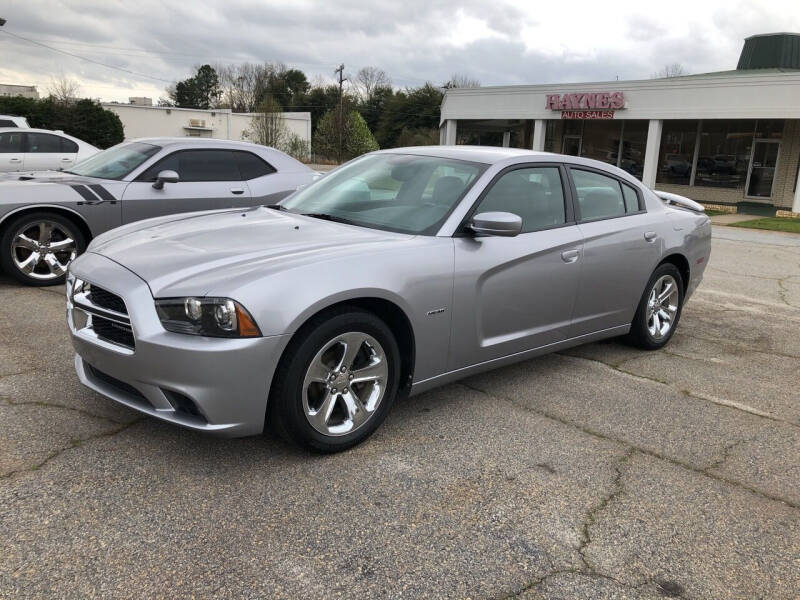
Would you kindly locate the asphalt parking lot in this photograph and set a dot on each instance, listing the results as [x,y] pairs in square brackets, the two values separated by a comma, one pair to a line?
[601,472]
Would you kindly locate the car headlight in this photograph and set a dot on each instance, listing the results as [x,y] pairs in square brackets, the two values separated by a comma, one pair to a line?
[212,317]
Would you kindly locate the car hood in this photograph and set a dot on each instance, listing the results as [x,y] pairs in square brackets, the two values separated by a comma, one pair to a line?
[212,251]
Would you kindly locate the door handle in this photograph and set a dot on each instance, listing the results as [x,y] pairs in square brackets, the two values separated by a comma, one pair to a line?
[650,235]
[65,159]
[570,256]
[237,191]
[15,160]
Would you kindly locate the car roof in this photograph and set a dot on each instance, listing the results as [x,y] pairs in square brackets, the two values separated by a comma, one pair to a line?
[36,130]
[481,154]
[278,159]
[490,155]
[193,141]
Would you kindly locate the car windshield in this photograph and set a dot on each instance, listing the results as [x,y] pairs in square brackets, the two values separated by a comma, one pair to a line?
[396,192]
[116,162]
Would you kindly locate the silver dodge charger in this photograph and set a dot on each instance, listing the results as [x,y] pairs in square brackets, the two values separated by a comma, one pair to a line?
[398,272]
[47,218]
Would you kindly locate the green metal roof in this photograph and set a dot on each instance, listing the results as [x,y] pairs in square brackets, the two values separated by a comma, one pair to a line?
[771,50]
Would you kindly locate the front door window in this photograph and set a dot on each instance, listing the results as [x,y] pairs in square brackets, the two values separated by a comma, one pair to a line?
[762,168]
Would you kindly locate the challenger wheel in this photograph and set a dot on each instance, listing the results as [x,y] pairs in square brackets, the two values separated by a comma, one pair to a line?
[38,247]
[659,309]
[337,381]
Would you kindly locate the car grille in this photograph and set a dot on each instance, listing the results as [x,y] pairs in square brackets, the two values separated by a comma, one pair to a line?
[105,299]
[112,331]
[108,316]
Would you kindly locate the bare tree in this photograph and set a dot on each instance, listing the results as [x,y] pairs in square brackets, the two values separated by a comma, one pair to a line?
[63,89]
[242,86]
[370,79]
[462,80]
[267,126]
[673,70]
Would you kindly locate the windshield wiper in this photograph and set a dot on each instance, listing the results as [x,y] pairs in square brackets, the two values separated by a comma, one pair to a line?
[277,207]
[333,218]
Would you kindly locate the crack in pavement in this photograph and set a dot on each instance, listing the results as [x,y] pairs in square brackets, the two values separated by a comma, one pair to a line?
[73,443]
[10,402]
[652,453]
[714,400]
[726,454]
[617,488]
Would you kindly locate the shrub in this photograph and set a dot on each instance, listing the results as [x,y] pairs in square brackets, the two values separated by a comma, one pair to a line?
[85,119]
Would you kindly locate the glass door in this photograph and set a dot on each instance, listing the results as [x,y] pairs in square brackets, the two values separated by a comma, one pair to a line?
[571,145]
[763,161]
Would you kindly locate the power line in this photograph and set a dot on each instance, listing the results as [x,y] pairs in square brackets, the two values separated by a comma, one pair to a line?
[125,50]
[89,60]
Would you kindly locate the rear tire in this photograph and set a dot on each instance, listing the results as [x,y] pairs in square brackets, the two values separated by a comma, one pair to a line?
[36,248]
[336,382]
[659,309]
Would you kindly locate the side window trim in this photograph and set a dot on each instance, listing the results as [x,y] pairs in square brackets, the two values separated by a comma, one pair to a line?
[576,206]
[566,190]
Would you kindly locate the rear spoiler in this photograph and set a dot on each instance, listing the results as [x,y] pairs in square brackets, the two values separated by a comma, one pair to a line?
[680,201]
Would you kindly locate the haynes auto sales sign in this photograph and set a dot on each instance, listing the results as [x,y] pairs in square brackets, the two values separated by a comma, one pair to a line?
[586,105]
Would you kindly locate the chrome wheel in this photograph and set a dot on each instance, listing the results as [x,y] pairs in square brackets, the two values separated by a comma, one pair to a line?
[662,306]
[345,383]
[42,250]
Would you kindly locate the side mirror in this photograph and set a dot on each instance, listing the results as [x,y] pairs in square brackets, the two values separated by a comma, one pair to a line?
[496,223]
[165,177]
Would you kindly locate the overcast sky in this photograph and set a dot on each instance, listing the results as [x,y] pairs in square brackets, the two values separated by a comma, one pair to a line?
[495,41]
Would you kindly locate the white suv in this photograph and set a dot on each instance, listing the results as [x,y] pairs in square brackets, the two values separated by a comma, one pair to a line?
[24,149]
[12,121]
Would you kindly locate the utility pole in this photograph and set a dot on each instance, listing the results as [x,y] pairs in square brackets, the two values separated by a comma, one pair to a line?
[342,79]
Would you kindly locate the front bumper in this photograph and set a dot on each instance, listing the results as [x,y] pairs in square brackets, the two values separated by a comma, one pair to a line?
[215,385]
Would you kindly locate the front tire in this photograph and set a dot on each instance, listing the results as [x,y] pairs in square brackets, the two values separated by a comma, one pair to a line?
[336,382]
[659,309]
[36,249]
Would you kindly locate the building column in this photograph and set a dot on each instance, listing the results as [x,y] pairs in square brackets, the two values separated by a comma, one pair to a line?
[796,201]
[538,135]
[651,153]
[506,139]
[447,134]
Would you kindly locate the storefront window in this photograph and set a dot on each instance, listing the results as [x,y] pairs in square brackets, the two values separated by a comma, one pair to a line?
[601,140]
[491,132]
[551,131]
[634,141]
[769,129]
[620,143]
[724,155]
[676,154]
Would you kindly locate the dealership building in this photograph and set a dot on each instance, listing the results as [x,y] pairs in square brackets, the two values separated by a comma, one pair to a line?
[728,138]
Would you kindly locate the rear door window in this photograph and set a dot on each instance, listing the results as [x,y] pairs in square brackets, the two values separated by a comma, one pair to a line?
[599,196]
[42,143]
[68,146]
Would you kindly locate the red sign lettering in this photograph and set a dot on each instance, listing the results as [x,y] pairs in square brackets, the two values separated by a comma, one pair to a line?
[585,101]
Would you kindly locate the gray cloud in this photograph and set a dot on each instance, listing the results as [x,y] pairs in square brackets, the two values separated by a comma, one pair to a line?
[411,40]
